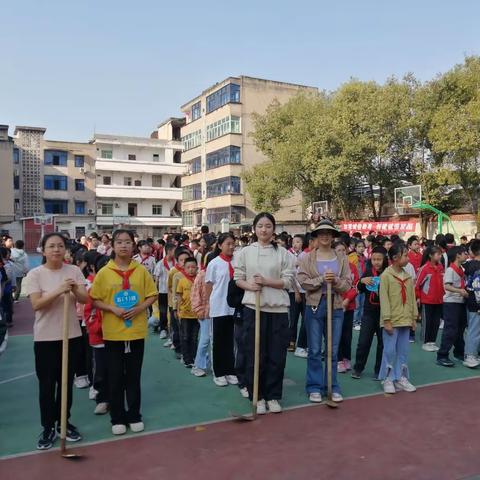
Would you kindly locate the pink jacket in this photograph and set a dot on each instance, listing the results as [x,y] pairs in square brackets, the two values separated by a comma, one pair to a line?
[200,303]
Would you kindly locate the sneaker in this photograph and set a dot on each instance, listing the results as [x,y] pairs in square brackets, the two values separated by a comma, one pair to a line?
[220,381]
[445,362]
[92,393]
[388,386]
[291,347]
[348,364]
[163,334]
[357,327]
[232,379]
[82,382]
[244,392]
[412,338]
[341,367]
[429,347]
[301,352]
[47,439]
[405,385]
[119,429]
[471,361]
[442,323]
[101,408]
[261,407]
[168,343]
[356,375]
[189,365]
[274,406]
[73,434]
[315,397]
[137,427]
[198,372]
[337,397]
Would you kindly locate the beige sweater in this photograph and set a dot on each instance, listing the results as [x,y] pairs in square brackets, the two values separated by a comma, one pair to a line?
[270,263]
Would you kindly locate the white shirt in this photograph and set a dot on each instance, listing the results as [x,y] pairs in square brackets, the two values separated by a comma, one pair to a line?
[218,274]
[148,262]
[161,275]
[411,271]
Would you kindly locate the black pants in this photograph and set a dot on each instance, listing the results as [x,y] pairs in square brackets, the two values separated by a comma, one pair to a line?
[223,359]
[162,310]
[48,366]
[274,339]
[345,345]
[18,290]
[297,309]
[239,348]
[7,307]
[175,325]
[84,360]
[455,322]
[100,374]
[124,366]
[431,315]
[189,328]
[370,327]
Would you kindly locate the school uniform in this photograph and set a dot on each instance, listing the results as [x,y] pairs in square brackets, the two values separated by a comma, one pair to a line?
[345,345]
[161,274]
[188,319]
[297,309]
[174,323]
[472,341]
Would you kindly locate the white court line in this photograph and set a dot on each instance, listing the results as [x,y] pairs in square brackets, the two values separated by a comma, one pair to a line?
[16,378]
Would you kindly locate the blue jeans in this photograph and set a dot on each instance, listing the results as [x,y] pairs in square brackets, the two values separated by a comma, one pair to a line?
[472,341]
[316,325]
[395,354]
[202,359]
[359,303]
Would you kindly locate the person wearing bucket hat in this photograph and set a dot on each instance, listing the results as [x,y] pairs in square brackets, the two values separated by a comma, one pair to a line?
[321,266]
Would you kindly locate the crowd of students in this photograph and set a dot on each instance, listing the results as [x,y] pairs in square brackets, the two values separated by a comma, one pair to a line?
[198,296]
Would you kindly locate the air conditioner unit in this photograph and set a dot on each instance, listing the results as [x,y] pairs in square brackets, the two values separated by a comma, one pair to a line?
[117,205]
[99,206]
[90,211]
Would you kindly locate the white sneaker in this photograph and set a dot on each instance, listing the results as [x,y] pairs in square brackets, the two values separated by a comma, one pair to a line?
[341,367]
[198,372]
[274,406]
[357,327]
[429,347]
[471,361]
[388,386]
[137,427]
[82,382]
[220,381]
[232,379]
[244,392]
[119,429]
[168,343]
[442,323]
[315,397]
[348,364]
[163,334]
[92,394]
[337,397]
[261,407]
[301,352]
[405,385]
[101,408]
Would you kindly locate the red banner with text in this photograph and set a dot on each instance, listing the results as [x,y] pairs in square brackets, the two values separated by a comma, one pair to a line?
[378,227]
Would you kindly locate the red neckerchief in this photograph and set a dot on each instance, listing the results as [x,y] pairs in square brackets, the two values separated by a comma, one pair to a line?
[229,261]
[144,259]
[459,271]
[180,269]
[373,300]
[402,282]
[307,250]
[125,274]
[187,276]
[165,264]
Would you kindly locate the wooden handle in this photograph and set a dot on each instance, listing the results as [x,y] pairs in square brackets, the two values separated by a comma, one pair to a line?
[329,339]
[256,365]
[64,394]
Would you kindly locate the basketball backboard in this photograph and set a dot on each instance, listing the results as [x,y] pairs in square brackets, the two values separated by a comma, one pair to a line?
[320,207]
[406,197]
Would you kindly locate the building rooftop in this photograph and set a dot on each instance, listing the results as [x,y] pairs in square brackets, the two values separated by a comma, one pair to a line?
[127,140]
[24,127]
[176,121]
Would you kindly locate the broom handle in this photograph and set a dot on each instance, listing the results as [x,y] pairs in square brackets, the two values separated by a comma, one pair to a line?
[256,365]
[64,394]
[329,339]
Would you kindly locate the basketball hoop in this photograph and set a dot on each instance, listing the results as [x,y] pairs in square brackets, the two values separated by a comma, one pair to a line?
[43,219]
[406,197]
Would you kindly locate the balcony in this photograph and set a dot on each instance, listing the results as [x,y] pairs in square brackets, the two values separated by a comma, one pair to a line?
[133,166]
[126,192]
[155,221]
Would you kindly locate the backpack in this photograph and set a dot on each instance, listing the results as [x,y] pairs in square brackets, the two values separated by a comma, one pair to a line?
[473,285]
[234,295]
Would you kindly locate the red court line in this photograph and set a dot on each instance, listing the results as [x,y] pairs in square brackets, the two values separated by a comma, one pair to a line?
[431,434]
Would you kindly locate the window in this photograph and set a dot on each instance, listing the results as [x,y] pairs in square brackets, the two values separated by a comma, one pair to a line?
[127,181]
[79,161]
[197,165]
[107,180]
[156,209]
[16,180]
[132,209]
[106,154]
[223,186]
[16,155]
[187,219]
[137,183]
[56,158]
[192,140]
[107,209]
[55,182]
[232,214]
[196,111]
[223,127]
[79,208]
[156,157]
[225,156]
[17,205]
[132,156]
[228,94]
[56,206]
[156,180]
[192,192]
[79,185]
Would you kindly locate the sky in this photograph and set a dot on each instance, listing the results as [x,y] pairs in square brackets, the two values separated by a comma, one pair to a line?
[122,67]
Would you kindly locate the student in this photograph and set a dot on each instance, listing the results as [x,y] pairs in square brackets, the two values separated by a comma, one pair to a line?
[145,257]
[46,286]
[124,329]
[398,313]
[219,273]
[359,263]
[105,247]
[463,240]
[265,267]
[369,286]
[162,269]
[414,253]
[430,292]
[472,273]
[20,266]
[454,310]
[8,282]
[319,267]
[188,319]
